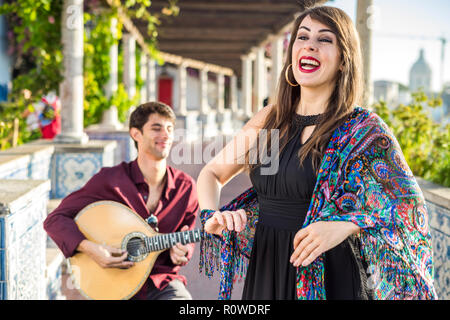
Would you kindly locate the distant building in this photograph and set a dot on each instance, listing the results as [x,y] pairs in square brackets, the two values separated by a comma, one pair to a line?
[420,75]
[446,101]
[386,91]
[393,93]
[404,95]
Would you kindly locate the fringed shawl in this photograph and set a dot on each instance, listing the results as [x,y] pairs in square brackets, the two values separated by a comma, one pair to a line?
[364,179]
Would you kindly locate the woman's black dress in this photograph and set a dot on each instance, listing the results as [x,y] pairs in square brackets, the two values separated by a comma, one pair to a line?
[284,199]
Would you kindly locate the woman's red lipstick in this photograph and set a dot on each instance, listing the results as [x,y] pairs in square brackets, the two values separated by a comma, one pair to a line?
[310,61]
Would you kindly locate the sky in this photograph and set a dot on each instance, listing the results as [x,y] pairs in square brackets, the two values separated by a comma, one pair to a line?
[395,42]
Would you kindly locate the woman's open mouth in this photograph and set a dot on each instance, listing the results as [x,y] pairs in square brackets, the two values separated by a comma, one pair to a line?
[308,64]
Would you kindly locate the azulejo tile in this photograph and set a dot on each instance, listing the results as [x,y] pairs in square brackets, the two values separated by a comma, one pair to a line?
[3,293]
[440,246]
[2,232]
[72,171]
[442,282]
[439,221]
[23,258]
[14,166]
[125,150]
[40,170]
[2,265]
[439,217]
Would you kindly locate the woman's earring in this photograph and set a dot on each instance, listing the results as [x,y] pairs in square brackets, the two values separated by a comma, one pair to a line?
[286,75]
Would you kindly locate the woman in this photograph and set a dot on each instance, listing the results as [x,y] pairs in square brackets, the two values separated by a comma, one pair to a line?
[343,217]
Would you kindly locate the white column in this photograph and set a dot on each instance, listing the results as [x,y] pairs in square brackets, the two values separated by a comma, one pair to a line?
[143,74]
[233,94]
[129,60]
[260,78]
[363,25]
[151,80]
[204,105]
[110,118]
[220,93]
[247,85]
[277,64]
[182,77]
[111,85]
[129,69]
[72,87]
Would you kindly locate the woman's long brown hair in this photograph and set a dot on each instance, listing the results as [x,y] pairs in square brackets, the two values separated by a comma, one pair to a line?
[346,94]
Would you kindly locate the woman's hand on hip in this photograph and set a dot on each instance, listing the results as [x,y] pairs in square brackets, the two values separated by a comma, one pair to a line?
[232,220]
[319,237]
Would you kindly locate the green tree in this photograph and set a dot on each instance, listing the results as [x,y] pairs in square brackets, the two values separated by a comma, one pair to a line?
[425,143]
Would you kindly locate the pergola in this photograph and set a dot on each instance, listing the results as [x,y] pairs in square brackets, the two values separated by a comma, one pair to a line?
[228,38]
[231,37]
[222,31]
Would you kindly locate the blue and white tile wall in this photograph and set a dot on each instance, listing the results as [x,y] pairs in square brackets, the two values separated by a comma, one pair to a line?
[439,219]
[125,150]
[14,166]
[38,167]
[22,239]
[71,169]
[54,274]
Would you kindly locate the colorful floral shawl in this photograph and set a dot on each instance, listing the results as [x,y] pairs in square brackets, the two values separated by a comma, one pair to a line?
[364,179]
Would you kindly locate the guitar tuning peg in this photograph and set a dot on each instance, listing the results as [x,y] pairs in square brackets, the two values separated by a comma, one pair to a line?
[153,222]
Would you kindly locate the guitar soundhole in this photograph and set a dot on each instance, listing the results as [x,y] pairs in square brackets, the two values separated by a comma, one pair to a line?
[136,247]
[134,244]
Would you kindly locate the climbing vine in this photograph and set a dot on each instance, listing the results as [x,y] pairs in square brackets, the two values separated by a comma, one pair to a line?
[34,42]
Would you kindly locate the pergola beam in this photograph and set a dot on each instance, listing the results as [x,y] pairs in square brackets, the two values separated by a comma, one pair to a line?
[212,46]
[167,57]
[211,33]
[255,6]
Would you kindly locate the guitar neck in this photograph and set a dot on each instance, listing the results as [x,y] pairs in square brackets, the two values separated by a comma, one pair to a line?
[168,240]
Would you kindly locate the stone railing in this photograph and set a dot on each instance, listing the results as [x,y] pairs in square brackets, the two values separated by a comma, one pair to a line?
[438,204]
[22,239]
[32,178]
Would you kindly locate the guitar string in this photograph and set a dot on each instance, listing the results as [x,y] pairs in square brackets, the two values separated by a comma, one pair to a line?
[133,245]
[139,243]
[136,243]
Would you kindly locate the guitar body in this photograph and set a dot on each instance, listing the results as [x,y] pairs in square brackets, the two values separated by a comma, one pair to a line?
[109,222]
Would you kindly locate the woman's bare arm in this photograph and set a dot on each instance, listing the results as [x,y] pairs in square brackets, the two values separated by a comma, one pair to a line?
[228,163]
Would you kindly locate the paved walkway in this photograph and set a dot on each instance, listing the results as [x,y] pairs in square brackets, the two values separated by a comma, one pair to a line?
[199,285]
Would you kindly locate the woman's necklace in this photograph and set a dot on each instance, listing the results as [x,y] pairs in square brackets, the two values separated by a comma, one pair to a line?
[309,120]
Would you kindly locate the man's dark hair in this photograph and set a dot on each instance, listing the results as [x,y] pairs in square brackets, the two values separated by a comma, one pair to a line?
[140,115]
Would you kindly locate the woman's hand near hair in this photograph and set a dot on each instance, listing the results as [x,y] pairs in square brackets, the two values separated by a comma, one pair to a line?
[319,237]
[231,220]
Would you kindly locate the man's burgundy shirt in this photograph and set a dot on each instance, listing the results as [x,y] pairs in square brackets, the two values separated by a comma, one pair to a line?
[124,183]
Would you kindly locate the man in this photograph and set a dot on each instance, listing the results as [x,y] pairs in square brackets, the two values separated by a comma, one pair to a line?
[148,186]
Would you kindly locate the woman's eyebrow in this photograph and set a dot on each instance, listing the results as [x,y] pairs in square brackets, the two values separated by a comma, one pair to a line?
[327,30]
[321,30]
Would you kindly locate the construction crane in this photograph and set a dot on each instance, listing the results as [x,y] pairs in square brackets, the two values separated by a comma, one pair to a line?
[443,41]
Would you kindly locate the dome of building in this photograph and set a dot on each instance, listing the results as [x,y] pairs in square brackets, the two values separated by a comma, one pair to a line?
[420,74]
[421,66]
